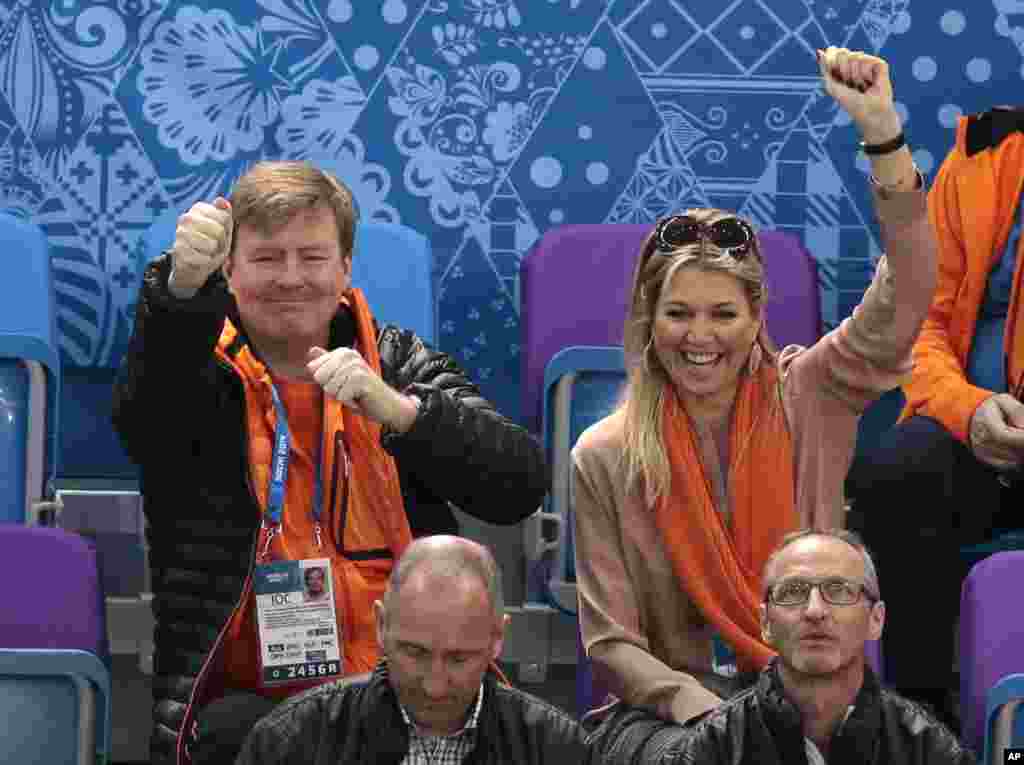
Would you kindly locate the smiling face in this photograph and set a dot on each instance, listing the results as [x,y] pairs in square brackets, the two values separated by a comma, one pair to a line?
[315,581]
[817,638]
[704,328]
[287,282]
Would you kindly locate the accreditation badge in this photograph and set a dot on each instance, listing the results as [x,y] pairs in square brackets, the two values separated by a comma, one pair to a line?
[298,628]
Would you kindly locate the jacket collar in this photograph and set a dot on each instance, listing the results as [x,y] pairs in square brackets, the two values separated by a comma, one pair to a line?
[991,128]
[855,741]
[390,730]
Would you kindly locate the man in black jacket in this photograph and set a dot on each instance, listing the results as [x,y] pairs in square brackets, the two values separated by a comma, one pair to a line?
[250,335]
[433,698]
[817,702]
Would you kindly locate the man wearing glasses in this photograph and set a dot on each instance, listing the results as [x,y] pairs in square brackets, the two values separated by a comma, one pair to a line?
[817,701]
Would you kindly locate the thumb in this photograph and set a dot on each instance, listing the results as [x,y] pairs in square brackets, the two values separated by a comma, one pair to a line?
[221,203]
[315,352]
[1013,412]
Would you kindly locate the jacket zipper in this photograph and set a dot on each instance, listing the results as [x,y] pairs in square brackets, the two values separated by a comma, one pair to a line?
[246,588]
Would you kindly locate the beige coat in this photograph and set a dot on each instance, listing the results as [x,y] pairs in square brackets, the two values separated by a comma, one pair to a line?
[639,626]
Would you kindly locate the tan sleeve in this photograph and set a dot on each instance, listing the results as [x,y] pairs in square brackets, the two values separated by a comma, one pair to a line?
[870,352]
[609,613]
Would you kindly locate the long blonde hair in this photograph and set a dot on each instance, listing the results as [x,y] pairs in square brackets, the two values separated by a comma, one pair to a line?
[645,457]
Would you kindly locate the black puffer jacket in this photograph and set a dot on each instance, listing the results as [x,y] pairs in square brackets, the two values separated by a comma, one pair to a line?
[180,413]
[357,720]
[762,726]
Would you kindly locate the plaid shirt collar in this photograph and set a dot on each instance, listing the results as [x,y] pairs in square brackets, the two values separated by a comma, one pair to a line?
[470,724]
[442,750]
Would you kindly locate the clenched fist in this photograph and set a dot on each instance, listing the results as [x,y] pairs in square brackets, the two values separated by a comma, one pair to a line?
[345,375]
[201,243]
[860,84]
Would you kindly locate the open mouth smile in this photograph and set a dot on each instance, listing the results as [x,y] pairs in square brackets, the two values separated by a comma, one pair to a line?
[701,359]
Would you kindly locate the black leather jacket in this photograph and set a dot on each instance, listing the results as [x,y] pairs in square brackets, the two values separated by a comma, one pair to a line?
[762,726]
[357,720]
[180,413]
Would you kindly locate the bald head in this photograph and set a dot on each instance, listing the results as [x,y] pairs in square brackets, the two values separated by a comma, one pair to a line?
[450,559]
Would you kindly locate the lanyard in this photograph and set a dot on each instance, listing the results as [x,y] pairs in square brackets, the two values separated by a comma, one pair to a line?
[279,460]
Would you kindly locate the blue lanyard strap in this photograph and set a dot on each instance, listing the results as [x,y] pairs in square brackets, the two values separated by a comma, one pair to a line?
[279,461]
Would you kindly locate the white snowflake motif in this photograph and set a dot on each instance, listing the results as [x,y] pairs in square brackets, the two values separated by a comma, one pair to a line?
[443,153]
[319,118]
[369,182]
[495,13]
[454,41]
[210,85]
[507,129]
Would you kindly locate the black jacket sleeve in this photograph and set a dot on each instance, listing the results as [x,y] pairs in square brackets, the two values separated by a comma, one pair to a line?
[163,388]
[459,447]
[290,735]
[626,734]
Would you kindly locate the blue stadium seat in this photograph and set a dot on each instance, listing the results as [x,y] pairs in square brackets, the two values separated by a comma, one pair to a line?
[582,384]
[30,371]
[1004,719]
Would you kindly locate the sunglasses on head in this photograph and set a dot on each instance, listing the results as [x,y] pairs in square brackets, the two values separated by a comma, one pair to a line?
[731,235]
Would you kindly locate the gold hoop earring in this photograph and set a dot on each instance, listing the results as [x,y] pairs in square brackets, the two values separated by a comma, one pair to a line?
[756,356]
[647,355]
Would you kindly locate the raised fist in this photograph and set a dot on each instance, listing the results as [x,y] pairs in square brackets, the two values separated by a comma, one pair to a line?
[859,82]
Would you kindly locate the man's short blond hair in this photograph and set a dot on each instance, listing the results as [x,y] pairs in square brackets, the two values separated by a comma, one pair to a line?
[271,193]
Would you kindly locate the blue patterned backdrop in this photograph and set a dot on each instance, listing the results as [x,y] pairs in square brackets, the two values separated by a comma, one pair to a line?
[482,123]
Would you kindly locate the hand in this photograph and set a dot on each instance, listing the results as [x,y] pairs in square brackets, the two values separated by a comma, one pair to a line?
[345,375]
[996,432]
[860,84]
[201,243]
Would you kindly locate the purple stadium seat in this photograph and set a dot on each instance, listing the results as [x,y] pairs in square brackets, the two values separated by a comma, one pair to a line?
[991,635]
[58,601]
[54,655]
[575,288]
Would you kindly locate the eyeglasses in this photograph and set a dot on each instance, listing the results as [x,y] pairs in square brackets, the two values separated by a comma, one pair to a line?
[835,591]
[731,235]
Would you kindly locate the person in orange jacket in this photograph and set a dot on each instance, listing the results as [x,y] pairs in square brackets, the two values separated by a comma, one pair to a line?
[959,445]
[281,428]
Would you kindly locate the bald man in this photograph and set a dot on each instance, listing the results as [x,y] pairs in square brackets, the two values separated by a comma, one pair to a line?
[434,697]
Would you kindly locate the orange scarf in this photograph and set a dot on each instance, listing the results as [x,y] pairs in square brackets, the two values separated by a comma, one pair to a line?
[372,519]
[720,571]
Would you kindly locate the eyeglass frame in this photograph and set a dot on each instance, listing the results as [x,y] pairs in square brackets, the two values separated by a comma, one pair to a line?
[737,252]
[863,592]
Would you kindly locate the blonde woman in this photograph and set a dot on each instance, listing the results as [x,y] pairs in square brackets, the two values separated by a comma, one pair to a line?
[723,445]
